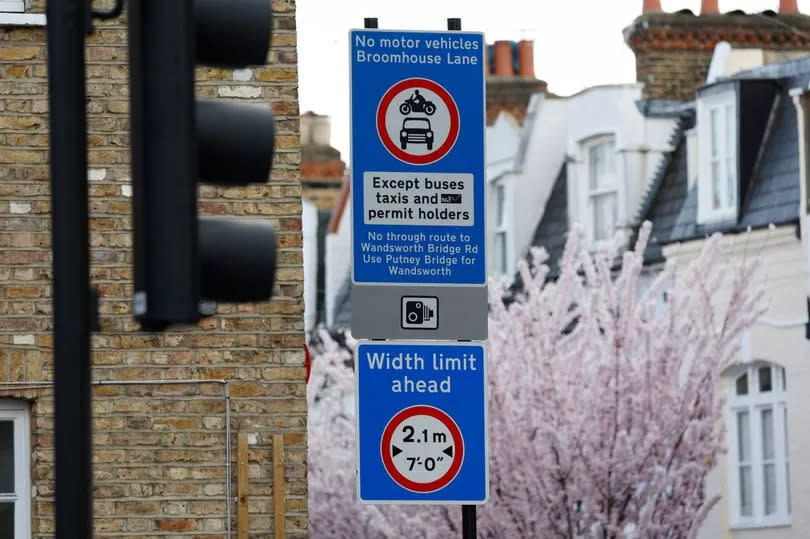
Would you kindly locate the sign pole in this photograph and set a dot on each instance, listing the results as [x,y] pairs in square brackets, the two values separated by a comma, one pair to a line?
[468,516]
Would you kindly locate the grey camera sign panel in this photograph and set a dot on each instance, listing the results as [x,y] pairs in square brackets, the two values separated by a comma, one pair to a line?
[424,312]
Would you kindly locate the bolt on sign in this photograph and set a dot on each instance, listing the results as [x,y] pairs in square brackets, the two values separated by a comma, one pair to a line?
[421,418]
[418,200]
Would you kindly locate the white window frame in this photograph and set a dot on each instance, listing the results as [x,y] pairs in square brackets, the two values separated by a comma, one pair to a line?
[17,412]
[724,156]
[502,237]
[15,13]
[754,403]
[12,6]
[590,194]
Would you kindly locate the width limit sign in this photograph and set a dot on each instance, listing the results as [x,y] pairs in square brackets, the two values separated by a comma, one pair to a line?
[422,422]
[418,199]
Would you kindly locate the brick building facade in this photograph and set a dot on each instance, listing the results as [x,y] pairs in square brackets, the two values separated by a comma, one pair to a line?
[674,49]
[159,449]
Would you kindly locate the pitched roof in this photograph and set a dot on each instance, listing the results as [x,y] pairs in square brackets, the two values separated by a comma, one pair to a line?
[552,231]
[665,196]
[769,169]
[769,184]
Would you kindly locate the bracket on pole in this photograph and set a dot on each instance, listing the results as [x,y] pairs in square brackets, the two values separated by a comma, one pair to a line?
[102,14]
[111,13]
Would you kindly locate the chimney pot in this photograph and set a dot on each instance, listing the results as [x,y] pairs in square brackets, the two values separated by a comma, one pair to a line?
[709,7]
[788,6]
[503,59]
[651,5]
[526,58]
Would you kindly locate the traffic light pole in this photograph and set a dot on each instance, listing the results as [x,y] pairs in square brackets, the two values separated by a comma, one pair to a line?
[68,22]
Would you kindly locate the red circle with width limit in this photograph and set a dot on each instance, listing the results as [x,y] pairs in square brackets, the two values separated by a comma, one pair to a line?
[391,146]
[388,461]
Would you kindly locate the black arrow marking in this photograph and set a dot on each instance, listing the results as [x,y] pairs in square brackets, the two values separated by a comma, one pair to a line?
[395,450]
[448,451]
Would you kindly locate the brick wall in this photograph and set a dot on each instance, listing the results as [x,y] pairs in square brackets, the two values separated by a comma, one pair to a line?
[673,50]
[159,450]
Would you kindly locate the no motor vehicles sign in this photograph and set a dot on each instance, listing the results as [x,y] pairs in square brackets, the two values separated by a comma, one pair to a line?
[418,200]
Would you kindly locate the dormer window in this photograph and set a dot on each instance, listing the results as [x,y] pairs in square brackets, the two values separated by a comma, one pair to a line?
[718,179]
[603,187]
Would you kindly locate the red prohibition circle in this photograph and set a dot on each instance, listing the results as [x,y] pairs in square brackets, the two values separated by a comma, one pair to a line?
[395,150]
[388,461]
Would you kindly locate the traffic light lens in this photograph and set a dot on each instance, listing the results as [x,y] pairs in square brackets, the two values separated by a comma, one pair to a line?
[237,259]
[234,33]
[235,142]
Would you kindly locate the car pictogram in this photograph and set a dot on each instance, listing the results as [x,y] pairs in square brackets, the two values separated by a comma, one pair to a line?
[416,131]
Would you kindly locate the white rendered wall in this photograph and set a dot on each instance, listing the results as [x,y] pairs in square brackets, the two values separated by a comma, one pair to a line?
[502,141]
[641,143]
[338,261]
[309,230]
[541,157]
[526,160]
[784,278]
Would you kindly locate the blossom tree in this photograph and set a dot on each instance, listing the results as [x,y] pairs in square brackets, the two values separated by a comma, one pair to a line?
[605,411]
[334,510]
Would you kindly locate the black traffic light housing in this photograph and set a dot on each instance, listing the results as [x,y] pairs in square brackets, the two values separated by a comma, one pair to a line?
[181,260]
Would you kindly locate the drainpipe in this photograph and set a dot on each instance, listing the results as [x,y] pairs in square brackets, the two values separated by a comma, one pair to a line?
[227,390]
[801,99]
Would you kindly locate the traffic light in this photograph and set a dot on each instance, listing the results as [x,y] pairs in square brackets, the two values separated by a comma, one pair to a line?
[182,261]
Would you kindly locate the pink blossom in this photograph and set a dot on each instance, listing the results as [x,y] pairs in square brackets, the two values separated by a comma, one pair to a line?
[605,409]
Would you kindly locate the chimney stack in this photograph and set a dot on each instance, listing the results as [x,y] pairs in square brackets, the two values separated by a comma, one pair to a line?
[503,59]
[709,7]
[526,58]
[513,82]
[788,6]
[651,5]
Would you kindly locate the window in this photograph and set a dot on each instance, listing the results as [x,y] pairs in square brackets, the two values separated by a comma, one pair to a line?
[15,490]
[501,248]
[15,13]
[717,131]
[758,457]
[602,189]
[12,6]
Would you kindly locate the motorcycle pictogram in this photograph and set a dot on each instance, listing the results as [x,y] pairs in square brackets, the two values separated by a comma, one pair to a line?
[417,103]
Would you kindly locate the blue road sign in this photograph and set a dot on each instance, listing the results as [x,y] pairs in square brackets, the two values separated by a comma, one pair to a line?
[421,422]
[417,159]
